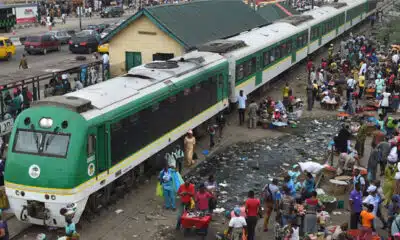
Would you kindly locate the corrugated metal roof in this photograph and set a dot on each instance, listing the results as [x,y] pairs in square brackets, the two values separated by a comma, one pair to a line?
[276,11]
[198,22]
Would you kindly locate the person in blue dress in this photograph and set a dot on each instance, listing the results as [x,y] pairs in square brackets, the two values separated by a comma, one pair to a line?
[290,185]
[308,186]
[166,179]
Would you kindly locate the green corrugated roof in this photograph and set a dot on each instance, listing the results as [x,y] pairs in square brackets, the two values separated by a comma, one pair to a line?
[271,12]
[198,22]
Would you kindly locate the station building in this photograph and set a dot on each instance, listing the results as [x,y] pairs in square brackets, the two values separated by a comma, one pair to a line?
[166,31]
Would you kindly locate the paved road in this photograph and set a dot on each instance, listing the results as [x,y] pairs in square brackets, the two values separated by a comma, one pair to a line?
[37,60]
[71,24]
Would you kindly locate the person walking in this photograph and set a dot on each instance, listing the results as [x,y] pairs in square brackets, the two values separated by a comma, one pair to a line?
[23,63]
[271,200]
[211,187]
[367,222]
[312,205]
[211,132]
[237,226]
[189,145]
[361,85]
[166,180]
[252,205]
[385,101]
[253,109]
[242,106]
[221,122]
[360,139]
[355,206]
[286,206]
[186,193]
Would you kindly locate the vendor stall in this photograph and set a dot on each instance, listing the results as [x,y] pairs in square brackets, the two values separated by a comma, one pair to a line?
[197,220]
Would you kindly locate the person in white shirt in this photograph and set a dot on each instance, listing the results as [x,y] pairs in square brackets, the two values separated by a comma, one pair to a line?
[236,225]
[106,60]
[363,68]
[351,83]
[78,84]
[242,106]
[395,58]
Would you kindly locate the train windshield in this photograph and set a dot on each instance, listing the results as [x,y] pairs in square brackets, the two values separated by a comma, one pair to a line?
[41,143]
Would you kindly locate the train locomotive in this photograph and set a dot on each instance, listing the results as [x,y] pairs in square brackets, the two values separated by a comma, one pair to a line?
[88,147]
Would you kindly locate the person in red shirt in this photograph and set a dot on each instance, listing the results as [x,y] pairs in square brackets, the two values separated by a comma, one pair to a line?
[309,65]
[202,198]
[186,193]
[252,209]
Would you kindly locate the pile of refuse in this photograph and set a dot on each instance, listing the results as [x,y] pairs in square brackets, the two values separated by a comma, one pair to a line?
[250,165]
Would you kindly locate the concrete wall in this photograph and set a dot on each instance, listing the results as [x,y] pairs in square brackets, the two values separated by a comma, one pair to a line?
[140,36]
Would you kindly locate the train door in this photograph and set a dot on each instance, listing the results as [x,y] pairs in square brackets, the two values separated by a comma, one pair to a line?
[258,72]
[337,24]
[293,48]
[221,91]
[102,146]
[321,34]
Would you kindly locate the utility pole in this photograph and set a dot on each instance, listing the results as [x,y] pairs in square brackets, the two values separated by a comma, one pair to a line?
[312,4]
[80,16]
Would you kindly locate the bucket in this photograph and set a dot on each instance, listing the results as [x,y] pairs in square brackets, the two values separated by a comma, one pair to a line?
[340,204]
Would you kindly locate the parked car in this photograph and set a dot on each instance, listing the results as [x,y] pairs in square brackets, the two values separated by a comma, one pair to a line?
[61,36]
[7,48]
[86,41]
[106,32]
[41,44]
[93,27]
[112,12]
[103,48]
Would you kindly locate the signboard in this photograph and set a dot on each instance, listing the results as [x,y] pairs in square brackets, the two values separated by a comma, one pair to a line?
[6,126]
[26,13]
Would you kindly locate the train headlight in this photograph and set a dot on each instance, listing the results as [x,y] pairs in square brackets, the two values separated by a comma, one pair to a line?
[17,192]
[46,122]
[53,197]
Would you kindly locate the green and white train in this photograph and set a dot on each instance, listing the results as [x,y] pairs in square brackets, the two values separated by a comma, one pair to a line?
[89,146]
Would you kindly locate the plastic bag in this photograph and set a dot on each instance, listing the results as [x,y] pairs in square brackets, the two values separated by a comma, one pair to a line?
[192,204]
[311,167]
[159,190]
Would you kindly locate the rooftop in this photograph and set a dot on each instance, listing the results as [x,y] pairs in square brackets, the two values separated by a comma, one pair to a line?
[195,23]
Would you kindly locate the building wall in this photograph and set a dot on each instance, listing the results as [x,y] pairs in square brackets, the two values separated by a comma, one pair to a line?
[140,36]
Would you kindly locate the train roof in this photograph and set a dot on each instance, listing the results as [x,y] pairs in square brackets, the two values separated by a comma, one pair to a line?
[137,83]
[259,39]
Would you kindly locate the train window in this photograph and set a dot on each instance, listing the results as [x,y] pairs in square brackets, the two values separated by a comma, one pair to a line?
[299,41]
[247,68]
[305,39]
[283,50]
[266,59]
[91,145]
[197,87]
[172,99]
[239,72]
[278,53]
[289,47]
[116,126]
[155,107]
[271,56]
[133,118]
[186,91]
[253,65]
